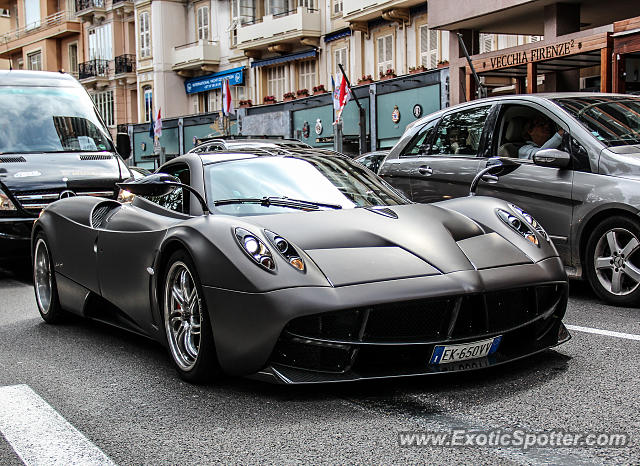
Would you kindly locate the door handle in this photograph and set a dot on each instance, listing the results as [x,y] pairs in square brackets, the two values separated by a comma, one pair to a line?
[425,170]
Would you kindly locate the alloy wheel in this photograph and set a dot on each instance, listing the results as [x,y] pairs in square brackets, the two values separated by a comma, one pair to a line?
[42,276]
[617,264]
[182,309]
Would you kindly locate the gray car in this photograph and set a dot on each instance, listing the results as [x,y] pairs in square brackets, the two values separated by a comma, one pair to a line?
[582,184]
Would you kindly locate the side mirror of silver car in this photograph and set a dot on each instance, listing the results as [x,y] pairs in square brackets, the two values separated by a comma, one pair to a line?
[552,158]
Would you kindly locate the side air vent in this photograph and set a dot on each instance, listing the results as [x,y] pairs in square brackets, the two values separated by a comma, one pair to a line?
[12,159]
[96,157]
[102,212]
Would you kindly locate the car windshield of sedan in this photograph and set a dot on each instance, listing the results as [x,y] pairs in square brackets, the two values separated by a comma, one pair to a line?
[613,121]
[49,120]
[330,182]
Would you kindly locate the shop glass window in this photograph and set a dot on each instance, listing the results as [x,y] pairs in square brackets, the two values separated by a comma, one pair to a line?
[459,133]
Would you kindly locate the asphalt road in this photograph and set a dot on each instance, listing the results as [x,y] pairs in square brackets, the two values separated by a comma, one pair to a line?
[121,392]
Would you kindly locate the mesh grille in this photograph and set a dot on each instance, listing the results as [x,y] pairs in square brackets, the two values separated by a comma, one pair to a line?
[99,214]
[95,157]
[12,159]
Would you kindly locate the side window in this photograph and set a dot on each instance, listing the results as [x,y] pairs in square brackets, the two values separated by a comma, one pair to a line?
[175,200]
[419,145]
[459,133]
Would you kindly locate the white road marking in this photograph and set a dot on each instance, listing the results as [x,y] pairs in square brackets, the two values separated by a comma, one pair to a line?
[41,436]
[609,333]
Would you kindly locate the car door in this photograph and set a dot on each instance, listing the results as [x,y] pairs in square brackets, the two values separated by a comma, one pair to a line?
[544,192]
[452,161]
[127,250]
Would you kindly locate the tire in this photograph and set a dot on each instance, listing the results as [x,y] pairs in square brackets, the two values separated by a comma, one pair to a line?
[44,282]
[613,260]
[188,333]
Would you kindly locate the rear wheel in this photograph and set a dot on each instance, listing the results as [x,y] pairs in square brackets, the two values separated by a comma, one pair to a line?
[613,260]
[44,282]
[186,321]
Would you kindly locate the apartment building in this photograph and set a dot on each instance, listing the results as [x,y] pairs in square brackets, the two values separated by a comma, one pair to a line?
[5,26]
[109,69]
[578,45]
[43,35]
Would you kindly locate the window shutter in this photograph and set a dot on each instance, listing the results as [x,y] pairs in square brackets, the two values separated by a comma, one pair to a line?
[433,48]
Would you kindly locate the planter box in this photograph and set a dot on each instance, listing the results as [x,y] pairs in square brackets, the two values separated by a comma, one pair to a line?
[443,65]
[388,76]
[366,81]
[288,99]
[246,105]
[421,70]
[320,92]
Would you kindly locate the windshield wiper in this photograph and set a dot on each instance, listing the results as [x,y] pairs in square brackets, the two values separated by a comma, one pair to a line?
[280,201]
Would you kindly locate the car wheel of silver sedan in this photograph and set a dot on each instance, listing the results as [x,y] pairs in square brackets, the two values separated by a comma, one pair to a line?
[613,260]
[186,321]
[44,281]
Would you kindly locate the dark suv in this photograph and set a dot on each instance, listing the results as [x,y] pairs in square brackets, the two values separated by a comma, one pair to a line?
[583,184]
[276,145]
[53,144]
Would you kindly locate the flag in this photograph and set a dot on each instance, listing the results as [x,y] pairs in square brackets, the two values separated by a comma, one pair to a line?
[343,95]
[157,127]
[336,92]
[227,102]
[151,127]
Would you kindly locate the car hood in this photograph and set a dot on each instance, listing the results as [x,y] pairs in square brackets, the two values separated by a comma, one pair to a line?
[364,245]
[31,172]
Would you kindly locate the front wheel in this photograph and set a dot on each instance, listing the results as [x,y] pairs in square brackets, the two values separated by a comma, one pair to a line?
[613,261]
[44,282]
[186,321]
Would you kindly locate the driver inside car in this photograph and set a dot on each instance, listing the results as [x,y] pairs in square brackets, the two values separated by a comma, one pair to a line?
[537,133]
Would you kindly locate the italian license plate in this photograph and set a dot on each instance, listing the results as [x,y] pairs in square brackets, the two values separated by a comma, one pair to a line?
[443,354]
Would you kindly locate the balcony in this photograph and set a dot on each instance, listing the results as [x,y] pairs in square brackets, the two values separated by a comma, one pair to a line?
[203,55]
[61,24]
[126,6]
[94,73]
[280,29]
[125,67]
[366,10]
[88,9]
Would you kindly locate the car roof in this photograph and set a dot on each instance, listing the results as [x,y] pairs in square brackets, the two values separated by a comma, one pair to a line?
[527,97]
[37,78]
[225,156]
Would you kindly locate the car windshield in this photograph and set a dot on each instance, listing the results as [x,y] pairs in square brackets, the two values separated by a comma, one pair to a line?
[50,119]
[614,121]
[318,179]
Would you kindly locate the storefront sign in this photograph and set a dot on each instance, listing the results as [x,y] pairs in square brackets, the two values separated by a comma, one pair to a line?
[214,81]
[417,110]
[305,130]
[537,52]
[318,127]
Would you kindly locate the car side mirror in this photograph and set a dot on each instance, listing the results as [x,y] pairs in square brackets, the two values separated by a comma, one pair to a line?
[552,158]
[496,167]
[157,184]
[123,145]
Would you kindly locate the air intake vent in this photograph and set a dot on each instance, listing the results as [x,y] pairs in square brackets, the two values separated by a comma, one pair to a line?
[101,212]
[96,157]
[12,159]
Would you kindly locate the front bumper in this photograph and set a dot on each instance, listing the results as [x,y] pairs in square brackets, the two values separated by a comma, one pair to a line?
[15,234]
[253,334]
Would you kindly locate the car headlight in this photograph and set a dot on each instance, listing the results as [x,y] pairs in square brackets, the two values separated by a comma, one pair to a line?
[286,250]
[531,221]
[255,248]
[519,225]
[125,196]
[5,203]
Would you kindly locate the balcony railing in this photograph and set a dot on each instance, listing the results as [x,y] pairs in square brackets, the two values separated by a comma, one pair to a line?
[303,21]
[93,69]
[115,2]
[89,4]
[125,64]
[48,22]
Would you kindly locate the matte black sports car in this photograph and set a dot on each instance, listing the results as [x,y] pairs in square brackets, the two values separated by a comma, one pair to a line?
[302,268]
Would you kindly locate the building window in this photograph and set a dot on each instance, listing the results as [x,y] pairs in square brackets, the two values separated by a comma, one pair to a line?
[34,61]
[385,53]
[104,103]
[487,42]
[275,81]
[340,56]
[307,3]
[203,23]
[73,59]
[429,43]
[145,35]
[277,7]
[101,43]
[4,12]
[337,7]
[242,11]
[31,14]
[148,103]
[307,75]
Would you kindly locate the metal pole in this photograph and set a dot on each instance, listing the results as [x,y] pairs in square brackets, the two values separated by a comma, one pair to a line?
[337,136]
[482,91]
[362,115]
